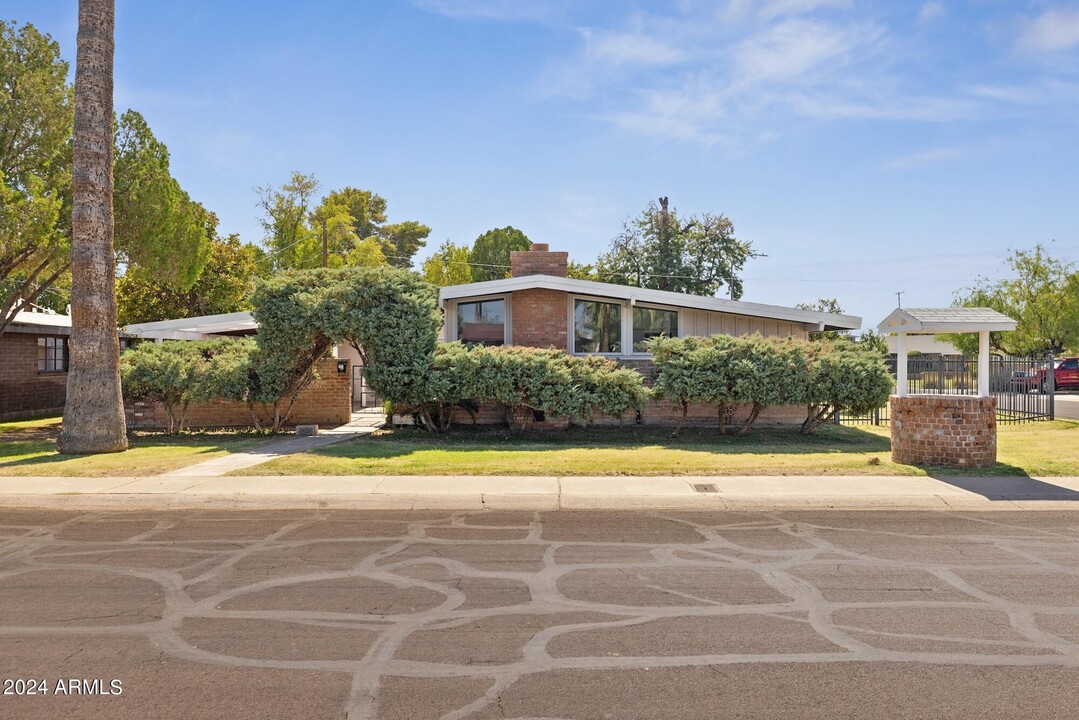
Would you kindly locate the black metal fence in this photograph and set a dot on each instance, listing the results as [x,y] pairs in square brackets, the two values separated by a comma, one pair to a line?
[1023,387]
[362,395]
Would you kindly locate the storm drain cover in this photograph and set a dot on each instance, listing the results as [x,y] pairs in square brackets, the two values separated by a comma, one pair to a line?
[705,488]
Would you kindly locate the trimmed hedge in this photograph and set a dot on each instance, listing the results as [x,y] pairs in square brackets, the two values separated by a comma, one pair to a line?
[760,372]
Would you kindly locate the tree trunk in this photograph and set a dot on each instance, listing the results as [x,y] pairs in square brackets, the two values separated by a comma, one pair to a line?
[752,419]
[94,411]
[723,418]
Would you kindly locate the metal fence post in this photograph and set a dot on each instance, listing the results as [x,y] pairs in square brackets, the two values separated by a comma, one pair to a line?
[1051,376]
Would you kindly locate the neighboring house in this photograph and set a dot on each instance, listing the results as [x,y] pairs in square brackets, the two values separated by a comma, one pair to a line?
[33,364]
[538,306]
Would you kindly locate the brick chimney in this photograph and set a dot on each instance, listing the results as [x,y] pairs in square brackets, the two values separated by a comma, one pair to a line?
[538,261]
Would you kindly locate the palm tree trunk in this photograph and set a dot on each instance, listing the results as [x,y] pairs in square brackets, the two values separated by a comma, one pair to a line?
[94,413]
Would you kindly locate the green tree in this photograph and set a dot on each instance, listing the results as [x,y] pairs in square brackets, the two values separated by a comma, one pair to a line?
[659,250]
[290,241]
[36,110]
[223,286]
[1042,295]
[490,254]
[94,409]
[448,266]
[581,271]
[400,241]
[825,305]
[159,229]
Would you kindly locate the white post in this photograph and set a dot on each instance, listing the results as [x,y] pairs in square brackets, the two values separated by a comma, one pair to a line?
[983,363]
[901,364]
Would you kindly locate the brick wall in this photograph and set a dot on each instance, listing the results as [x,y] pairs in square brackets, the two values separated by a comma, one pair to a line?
[948,430]
[538,261]
[327,402]
[24,392]
[540,318]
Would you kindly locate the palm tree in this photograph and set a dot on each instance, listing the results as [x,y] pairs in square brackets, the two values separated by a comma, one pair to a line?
[94,413]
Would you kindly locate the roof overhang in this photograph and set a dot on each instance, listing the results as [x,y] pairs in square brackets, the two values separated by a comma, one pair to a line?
[812,320]
[196,328]
[929,321]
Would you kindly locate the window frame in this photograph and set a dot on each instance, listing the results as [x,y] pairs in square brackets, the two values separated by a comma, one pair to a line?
[651,306]
[60,344]
[572,319]
[507,328]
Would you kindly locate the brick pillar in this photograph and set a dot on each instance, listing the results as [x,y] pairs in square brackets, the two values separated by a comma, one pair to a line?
[947,430]
[538,261]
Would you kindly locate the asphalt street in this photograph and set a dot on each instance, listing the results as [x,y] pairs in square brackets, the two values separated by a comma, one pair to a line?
[559,615]
[1067,405]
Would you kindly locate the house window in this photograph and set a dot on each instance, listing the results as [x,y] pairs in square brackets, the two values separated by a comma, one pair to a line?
[482,322]
[51,354]
[650,323]
[597,327]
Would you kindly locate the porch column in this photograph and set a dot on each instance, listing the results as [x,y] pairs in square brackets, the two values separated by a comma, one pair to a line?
[901,364]
[983,363]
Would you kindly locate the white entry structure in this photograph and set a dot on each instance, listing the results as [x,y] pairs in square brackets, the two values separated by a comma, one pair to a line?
[930,321]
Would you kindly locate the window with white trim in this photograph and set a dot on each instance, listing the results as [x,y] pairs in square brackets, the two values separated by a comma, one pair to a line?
[482,322]
[597,327]
[652,322]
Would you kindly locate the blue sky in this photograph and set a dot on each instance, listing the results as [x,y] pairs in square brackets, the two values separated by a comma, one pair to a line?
[865,147]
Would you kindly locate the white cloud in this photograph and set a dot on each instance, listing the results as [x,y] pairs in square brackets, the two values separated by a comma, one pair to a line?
[779,8]
[629,48]
[930,12]
[793,48]
[1054,30]
[920,159]
[503,10]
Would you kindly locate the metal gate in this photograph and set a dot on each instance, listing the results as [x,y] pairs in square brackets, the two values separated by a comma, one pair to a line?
[1024,387]
[362,395]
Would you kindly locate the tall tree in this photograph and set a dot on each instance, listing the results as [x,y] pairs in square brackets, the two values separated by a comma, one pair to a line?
[659,250]
[36,106]
[400,241]
[222,288]
[94,411]
[1042,295]
[490,255]
[291,243]
[448,266]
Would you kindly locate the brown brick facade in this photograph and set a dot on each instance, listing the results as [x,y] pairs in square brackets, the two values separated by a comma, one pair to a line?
[328,403]
[540,318]
[24,392]
[946,430]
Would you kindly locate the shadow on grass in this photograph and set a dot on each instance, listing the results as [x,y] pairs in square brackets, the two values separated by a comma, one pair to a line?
[43,452]
[765,441]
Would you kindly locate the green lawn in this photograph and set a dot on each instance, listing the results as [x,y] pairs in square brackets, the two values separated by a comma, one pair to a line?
[1034,449]
[28,447]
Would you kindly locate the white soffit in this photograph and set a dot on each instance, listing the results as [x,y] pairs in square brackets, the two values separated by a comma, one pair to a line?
[192,328]
[945,320]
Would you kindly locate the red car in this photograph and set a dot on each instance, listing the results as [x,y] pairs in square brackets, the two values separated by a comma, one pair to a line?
[1065,373]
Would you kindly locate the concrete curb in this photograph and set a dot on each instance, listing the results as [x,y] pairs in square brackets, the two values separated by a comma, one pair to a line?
[384,492]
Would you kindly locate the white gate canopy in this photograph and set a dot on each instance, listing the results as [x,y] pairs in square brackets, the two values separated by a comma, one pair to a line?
[928,321]
[925,321]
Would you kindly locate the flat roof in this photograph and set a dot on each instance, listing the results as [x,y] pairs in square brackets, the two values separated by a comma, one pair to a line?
[195,328]
[817,320]
[945,320]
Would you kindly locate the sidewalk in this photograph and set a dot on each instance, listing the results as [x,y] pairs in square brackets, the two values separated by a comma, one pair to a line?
[542,493]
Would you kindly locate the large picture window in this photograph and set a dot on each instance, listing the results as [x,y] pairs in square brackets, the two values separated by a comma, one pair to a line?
[597,327]
[482,322]
[650,323]
[51,354]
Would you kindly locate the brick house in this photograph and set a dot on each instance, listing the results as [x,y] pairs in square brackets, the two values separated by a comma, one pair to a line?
[33,364]
[539,306]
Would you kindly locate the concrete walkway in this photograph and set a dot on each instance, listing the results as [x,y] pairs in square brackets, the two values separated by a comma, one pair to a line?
[543,493]
[362,424]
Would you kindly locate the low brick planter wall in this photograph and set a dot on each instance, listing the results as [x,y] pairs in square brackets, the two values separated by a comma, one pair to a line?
[947,430]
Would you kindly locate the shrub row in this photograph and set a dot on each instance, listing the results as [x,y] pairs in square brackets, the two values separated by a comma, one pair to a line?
[724,371]
[527,382]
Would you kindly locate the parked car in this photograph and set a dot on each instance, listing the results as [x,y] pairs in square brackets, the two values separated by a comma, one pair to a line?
[1065,375]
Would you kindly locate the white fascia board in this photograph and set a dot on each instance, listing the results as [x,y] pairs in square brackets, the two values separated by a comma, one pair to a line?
[644,295]
[901,321]
[204,324]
